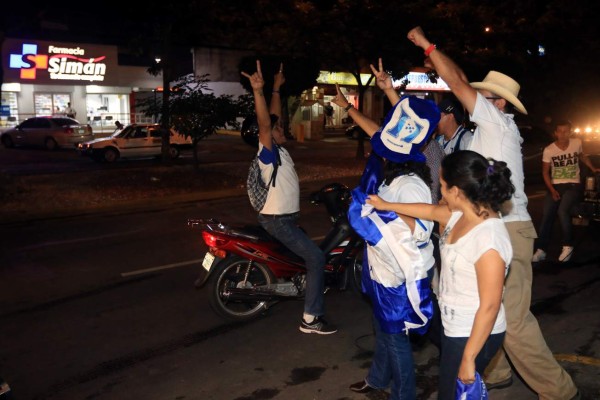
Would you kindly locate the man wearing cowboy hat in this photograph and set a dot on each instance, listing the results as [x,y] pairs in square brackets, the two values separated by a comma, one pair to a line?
[489,103]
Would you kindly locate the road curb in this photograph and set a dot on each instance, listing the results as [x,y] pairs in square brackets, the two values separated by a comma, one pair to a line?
[145,205]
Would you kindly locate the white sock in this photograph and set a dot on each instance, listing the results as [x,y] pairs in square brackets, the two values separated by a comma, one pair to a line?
[308,318]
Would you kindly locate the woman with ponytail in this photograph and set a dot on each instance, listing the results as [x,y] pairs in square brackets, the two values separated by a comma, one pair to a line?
[476,252]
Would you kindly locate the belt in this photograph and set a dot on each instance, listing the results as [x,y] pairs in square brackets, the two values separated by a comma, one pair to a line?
[570,184]
[280,215]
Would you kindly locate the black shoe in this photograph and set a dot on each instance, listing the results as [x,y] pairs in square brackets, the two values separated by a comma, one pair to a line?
[361,387]
[319,326]
[499,385]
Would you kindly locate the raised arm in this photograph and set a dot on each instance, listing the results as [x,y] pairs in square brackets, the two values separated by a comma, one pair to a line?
[260,106]
[384,82]
[430,212]
[367,124]
[490,281]
[447,69]
[278,80]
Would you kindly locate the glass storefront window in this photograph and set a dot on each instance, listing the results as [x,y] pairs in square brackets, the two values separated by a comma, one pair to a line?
[105,109]
[9,110]
[50,103]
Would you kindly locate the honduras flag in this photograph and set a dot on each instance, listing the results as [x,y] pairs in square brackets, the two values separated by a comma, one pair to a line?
[394,270]
[395,273]
[397,260]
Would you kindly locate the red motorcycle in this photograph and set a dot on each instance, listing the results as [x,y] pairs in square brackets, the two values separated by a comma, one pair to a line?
[247,270]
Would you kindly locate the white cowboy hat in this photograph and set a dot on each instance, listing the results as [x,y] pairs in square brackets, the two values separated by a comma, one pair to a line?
[503,86]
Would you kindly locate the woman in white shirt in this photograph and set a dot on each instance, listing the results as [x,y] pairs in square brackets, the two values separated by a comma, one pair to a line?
[475,252]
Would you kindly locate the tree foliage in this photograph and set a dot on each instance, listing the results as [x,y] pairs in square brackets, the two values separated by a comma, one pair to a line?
[195,111]
[347,35]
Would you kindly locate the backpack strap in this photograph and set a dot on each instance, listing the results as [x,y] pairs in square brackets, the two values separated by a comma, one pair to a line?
[275,166]
[459,138]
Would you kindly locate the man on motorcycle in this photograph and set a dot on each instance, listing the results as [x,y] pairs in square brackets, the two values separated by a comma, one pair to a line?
[280,213]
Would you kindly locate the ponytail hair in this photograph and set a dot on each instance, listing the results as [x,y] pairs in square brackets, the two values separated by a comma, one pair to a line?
[485,182]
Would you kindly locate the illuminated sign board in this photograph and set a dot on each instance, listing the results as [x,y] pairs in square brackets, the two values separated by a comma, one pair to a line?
[48,62]
[343,78]
[418,81]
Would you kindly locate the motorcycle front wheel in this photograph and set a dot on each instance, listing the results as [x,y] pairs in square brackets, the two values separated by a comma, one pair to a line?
[230,273]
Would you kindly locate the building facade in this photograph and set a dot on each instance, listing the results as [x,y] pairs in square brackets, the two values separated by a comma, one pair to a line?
[41,78]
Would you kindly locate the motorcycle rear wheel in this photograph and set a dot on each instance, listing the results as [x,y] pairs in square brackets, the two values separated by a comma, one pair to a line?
[230,273]
[354,274]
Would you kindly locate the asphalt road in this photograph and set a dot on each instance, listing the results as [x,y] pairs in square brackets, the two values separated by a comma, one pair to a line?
[102,306]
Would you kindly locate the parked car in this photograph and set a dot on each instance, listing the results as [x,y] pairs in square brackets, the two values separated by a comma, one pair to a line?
[50,132]
[135,140]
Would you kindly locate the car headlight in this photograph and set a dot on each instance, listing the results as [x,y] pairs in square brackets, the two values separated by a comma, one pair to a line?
[84,146]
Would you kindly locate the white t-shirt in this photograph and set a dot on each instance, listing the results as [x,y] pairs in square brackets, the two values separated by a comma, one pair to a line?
[564,164]
[403,189]
[498,137]
[458,293]
[284,197]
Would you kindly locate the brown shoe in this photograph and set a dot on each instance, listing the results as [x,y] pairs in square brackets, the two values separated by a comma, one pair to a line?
[361,387]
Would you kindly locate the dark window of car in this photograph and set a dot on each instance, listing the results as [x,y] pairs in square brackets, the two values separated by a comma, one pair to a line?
[127,132]
[43,123]
[64,121]
[155,133]
[140,132]
[36,123]
[30,123]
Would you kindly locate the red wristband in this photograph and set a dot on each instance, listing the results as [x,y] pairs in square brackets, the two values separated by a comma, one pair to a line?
[429,50]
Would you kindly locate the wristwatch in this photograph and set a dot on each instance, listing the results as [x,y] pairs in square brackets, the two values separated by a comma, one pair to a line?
[348,107]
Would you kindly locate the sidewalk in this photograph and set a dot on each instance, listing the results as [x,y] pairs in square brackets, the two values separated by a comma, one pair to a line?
[224,161]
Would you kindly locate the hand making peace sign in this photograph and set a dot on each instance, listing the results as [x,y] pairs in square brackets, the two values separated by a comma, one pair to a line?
[256,79]
[384,80]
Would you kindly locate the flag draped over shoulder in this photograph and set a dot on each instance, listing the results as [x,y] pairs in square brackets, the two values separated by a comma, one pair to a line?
[400,293]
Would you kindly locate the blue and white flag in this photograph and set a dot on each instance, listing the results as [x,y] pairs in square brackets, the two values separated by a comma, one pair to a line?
[472,391]
[398,285]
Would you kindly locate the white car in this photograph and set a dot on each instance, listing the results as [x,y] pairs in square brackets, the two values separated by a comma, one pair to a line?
[135,140]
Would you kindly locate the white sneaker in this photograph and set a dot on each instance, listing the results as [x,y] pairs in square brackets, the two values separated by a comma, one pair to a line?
[565,254]
[539,255]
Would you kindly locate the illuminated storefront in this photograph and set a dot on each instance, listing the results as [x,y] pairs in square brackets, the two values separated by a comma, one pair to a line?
[43,77]
[310,120]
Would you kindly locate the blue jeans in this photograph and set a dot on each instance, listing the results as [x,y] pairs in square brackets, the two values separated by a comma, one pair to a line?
[285,229]
[570,194]
[393,359]
[451,356]
[393,362]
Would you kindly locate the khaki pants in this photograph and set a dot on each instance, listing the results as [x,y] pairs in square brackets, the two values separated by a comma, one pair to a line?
[524,344]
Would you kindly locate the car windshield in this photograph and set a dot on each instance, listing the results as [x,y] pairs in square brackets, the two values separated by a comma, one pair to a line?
[132,132]
[120,133]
